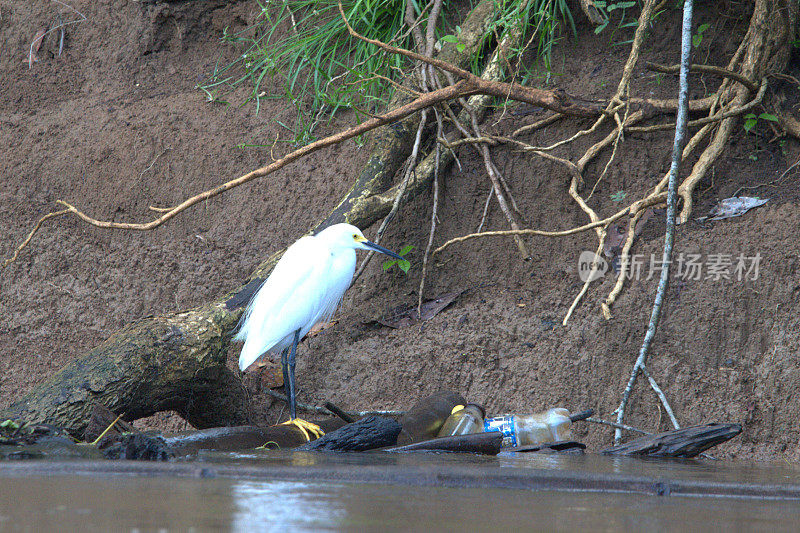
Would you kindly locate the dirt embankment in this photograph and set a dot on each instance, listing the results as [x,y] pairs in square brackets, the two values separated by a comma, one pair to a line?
[115,125]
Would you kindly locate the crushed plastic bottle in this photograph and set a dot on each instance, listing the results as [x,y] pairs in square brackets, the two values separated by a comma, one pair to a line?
[521,430]
[464,419]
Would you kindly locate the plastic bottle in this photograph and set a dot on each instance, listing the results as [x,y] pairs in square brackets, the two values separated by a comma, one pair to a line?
[464,419]
[521,430]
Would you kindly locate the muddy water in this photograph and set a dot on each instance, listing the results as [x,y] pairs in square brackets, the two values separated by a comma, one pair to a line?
[312,492]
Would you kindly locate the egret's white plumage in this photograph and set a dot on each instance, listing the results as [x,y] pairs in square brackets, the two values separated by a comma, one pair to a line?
[304,288]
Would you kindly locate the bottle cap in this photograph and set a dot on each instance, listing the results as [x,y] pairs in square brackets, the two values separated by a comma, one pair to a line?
[456,409]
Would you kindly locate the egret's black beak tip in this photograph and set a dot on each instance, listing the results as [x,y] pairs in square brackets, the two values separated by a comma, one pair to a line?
[382,250]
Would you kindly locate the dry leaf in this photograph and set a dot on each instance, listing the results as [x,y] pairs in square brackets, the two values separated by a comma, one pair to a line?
[406,315]
[270,375]
[618,232]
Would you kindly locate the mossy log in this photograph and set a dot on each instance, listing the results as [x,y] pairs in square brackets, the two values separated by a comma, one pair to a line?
[177,361]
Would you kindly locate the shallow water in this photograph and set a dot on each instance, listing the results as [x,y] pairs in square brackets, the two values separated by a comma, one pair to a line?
[264,491]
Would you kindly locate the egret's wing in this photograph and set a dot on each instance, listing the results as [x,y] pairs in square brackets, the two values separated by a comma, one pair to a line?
[340,276]
[285,302]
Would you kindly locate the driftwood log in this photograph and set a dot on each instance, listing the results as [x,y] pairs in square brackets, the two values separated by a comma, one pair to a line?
[177,361]
[686,442]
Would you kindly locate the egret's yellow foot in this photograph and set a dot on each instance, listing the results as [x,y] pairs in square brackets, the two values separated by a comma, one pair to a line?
[308,428]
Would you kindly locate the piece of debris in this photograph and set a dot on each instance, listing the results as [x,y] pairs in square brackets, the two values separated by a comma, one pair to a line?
[686,442]
[734,207]
[553,425]
[366,434]
[34,48]
[102,420]
[424,420]
[563,446]
[480,443]
[138,447]
[407,315]
[335,409]
[464,420]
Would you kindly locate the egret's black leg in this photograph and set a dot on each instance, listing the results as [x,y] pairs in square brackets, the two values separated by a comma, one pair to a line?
[285,370]
[292,390]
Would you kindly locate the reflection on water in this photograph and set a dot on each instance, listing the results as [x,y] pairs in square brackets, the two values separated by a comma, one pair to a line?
[262,505]
[116,502]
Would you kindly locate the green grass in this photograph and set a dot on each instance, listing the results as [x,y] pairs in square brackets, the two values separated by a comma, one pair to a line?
[312,53]
[324,69]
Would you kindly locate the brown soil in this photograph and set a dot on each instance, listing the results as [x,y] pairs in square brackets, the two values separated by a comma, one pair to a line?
[116,125]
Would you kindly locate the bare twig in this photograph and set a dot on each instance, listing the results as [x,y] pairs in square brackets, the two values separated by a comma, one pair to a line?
[774,182]
[31,234]
[732,112]
[429,99]
[412,23]
[430,30]
[616,425]
[485,209]
[538,124]
[153,162]
[501,197]
[588,281]
[677,149]
[708,69]
[548,99]
[620,131]
[662,397]
[511,233]
[624,263]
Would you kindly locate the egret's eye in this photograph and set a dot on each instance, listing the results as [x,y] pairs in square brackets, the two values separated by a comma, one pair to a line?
[355,237]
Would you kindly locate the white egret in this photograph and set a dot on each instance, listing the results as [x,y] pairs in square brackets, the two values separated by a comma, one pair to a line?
[304,288]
